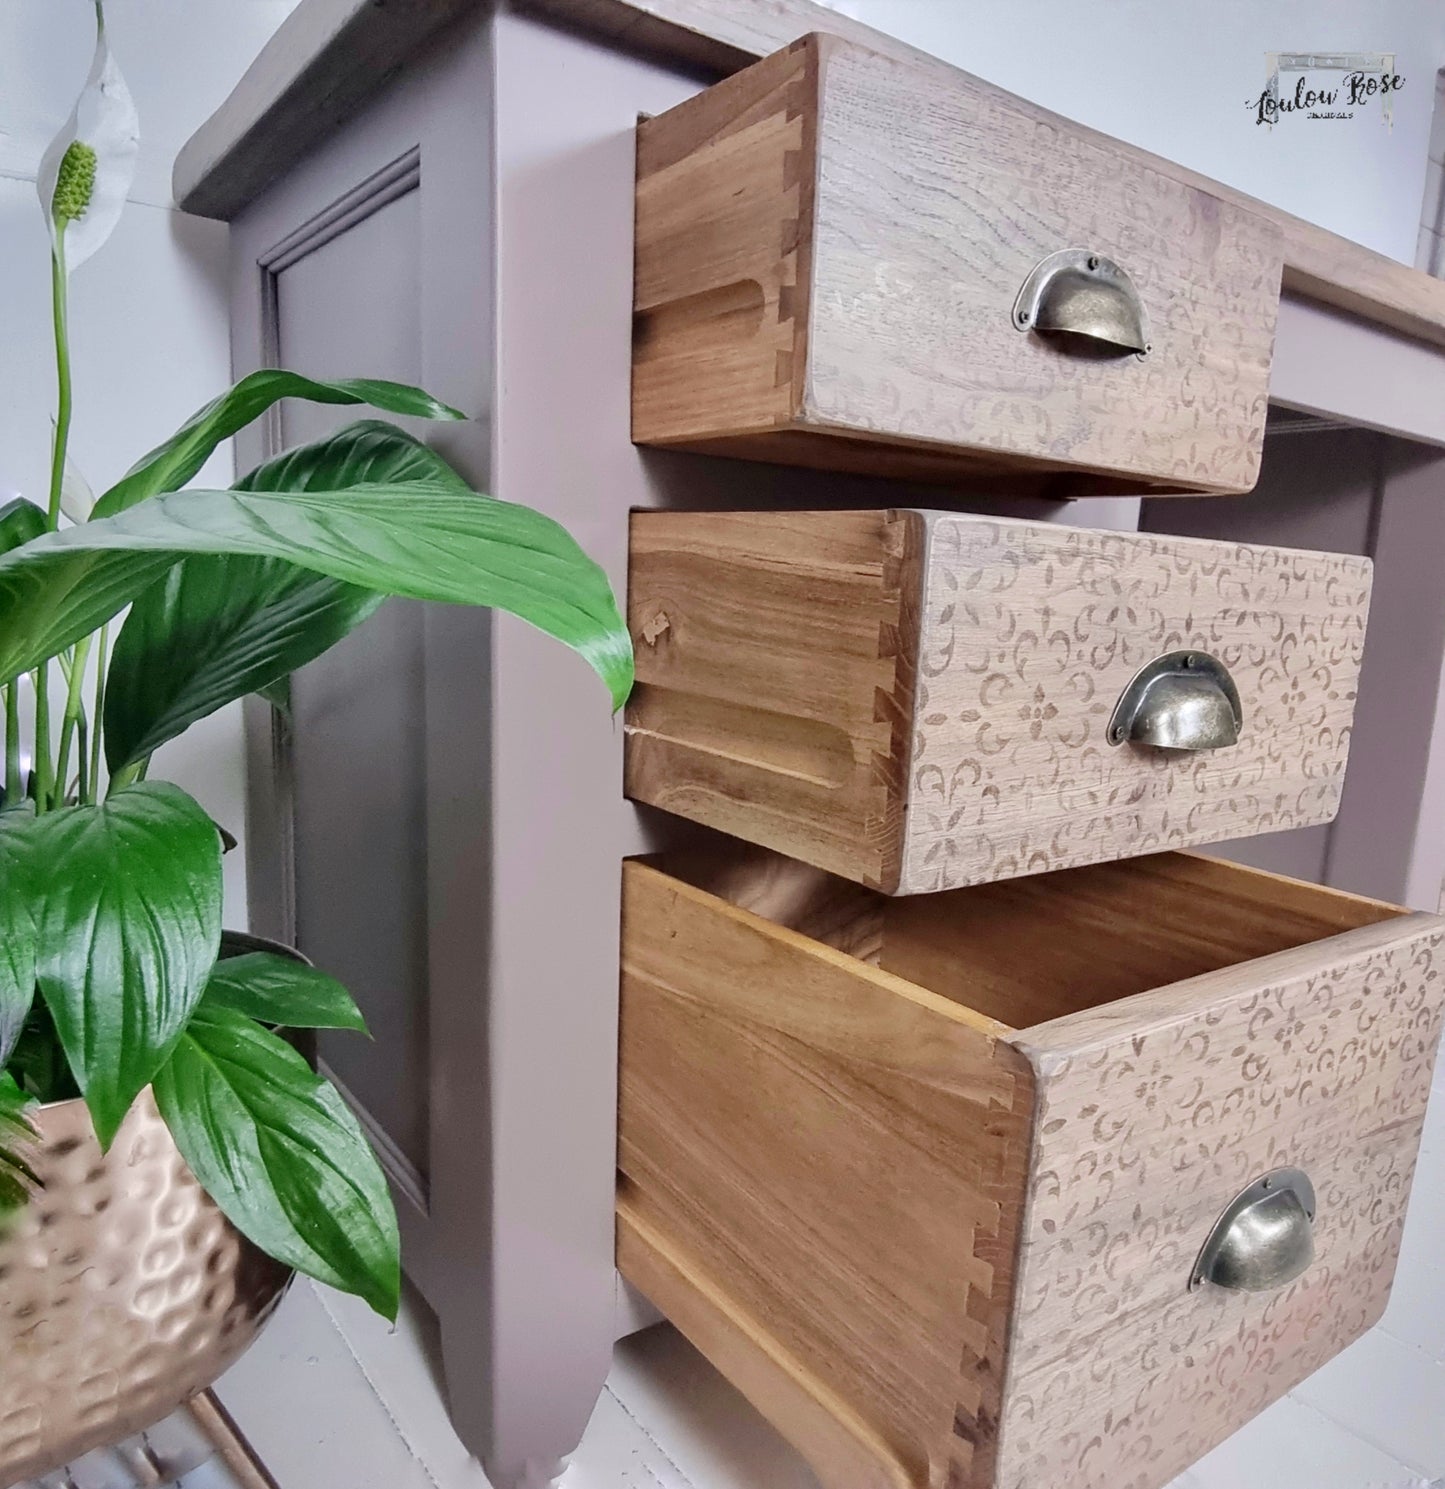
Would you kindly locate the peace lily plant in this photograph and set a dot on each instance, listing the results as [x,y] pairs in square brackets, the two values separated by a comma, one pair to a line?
[122,626]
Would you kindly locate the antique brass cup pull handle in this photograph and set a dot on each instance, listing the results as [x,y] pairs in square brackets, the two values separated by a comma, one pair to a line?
[1087,301]
[1184,700]
[1264,1239]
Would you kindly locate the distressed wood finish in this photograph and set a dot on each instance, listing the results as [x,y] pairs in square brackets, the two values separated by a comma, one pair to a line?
[1029,634]
[1150,1119]
[944,1250]
[828,249]
[918,700]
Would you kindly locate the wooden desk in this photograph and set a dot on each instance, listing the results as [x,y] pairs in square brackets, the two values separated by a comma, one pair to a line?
[435,191]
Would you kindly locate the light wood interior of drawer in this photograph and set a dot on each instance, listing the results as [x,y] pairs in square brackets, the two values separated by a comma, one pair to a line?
[1024,951]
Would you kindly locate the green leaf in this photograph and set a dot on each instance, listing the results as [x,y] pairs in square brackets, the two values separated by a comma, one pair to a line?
[38,1062]
[366,452]
[17,1179]
[17,1183]
[14,1103]
[212,630]
[15,1124]
[128,922]
[278,694]
[216,628]
[426,541]
[282,1155]
[20,521]
[44,613]
[277,990]
[171,465]
[18,947]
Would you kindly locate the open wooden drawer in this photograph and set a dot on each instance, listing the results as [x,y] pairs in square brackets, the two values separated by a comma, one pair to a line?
[849,261]
[923,700]
[929,1179]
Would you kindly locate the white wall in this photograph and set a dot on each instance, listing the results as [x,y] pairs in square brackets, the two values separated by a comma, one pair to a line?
[1173,76]
[148,312]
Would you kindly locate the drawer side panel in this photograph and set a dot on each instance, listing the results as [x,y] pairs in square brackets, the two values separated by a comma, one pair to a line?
[838,1157]
[1029,634]
[1153,1113]
[724,190]
[775,677]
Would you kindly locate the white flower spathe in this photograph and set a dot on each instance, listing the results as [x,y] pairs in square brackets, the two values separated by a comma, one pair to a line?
[77,497]
[104,118]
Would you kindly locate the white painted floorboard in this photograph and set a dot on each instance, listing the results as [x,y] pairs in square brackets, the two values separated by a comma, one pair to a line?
[330,1398]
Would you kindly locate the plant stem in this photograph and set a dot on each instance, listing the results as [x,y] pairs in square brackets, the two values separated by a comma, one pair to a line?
[14,786]
[102,663]
[42,764]
[73,709]
[125,776]
[44,777]
[58,310]
[82,762]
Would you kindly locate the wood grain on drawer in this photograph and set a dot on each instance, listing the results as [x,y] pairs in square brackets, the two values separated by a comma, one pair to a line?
[948,1248]
[920,700]
[829,246]
[834,1163]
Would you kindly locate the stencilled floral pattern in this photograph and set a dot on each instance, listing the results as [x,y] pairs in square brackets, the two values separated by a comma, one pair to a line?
[1029,634]
[1142,1135]
[932,202]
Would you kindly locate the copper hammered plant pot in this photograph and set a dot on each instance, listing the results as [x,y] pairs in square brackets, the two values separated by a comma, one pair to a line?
[123,1291]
